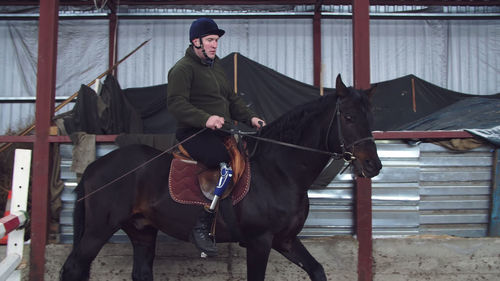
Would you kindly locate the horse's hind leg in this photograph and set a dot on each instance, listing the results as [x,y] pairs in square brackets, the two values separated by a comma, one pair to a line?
[299,255]
[144,242]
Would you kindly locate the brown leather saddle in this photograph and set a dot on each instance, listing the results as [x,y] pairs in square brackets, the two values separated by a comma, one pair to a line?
[191,182]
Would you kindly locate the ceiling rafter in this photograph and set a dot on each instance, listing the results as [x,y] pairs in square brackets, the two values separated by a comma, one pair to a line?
[261,2]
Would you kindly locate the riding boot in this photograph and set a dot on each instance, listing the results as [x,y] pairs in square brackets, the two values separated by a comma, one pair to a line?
[200,235]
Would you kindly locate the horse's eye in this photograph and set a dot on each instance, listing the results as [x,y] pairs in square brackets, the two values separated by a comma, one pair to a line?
[349,118]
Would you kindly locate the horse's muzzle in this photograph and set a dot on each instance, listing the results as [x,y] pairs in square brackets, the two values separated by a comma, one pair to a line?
[367,166]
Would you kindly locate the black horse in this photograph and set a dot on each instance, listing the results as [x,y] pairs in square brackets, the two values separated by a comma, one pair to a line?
[269,217]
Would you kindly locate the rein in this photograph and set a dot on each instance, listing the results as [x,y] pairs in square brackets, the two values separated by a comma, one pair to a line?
[346,155]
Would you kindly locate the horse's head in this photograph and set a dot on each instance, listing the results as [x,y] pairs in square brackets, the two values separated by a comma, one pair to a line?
[353,119]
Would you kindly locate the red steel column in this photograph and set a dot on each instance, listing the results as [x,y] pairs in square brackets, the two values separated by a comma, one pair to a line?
[113,32]
[317,45]
[361,63]
[45,94]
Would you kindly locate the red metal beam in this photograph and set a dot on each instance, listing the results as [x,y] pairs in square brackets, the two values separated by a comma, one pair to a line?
[98,138]
[45,93]
[113,32]
[361,66]
[264,2]
[317,45]
[14,139]
[421,135]
[379,135]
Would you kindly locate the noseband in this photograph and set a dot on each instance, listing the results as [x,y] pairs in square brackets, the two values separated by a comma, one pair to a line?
[347,155]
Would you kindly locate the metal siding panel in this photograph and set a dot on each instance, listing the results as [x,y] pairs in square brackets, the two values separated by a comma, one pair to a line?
[395,197]
[401,47]
[336,50]
[68,196]
[78,63]
[150,65]
[281,44]
[404,201]
[455,190]
[13,115]
[474,53]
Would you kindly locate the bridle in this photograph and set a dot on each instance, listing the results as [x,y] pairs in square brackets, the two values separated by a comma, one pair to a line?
[347,155]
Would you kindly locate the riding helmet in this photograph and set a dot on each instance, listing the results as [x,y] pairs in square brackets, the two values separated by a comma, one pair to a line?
[203,27]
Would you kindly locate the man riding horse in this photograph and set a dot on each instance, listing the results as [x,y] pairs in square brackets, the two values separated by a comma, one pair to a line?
[199,96]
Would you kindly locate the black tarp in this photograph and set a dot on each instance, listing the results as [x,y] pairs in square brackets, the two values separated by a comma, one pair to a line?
[405,103]
[412,104]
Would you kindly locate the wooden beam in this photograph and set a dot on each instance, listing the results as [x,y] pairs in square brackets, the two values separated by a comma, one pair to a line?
[45,93]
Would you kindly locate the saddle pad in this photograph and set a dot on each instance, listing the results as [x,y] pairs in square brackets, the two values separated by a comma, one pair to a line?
[184,187]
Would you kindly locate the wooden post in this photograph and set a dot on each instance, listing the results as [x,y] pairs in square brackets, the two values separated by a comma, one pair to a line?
[45,96]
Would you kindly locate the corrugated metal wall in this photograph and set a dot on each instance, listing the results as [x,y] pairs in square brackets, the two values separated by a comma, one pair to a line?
[460,55]
[14,84]
[82,56]
[422,189]
[282,44]
[455,191]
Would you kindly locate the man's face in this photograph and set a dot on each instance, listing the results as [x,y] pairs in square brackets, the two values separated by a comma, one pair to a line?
[210,43]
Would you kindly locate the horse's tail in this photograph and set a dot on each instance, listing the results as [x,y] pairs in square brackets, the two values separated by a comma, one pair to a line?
[79,213]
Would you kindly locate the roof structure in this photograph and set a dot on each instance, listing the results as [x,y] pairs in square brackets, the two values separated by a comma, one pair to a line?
[111,3]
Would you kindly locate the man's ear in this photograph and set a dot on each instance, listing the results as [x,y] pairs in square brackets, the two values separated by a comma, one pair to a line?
[196,42]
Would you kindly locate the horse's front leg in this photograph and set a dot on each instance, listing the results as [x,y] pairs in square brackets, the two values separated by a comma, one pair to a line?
[258,250]
[299,255]
[144,243]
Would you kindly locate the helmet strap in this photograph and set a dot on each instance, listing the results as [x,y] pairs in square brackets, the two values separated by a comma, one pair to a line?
[207,59]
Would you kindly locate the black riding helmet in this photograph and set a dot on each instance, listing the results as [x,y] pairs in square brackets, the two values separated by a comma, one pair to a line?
[203,27]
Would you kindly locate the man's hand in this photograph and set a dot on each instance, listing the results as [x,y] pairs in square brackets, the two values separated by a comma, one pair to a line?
[214,122]
[258,123]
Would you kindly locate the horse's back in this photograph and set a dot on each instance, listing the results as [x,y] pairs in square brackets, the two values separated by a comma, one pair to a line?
[122,167]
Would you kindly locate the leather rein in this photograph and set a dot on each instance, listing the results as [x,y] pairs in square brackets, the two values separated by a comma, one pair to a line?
[347,155]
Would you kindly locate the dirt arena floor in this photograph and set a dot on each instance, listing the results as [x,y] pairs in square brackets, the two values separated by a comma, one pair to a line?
[436,258]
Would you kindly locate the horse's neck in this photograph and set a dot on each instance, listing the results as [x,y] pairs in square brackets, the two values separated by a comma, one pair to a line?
[294,166]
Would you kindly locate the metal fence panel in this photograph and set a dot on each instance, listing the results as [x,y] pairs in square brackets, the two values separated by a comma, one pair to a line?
[422,189]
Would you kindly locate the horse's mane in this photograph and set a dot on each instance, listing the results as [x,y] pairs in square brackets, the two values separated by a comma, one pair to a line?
[289,126]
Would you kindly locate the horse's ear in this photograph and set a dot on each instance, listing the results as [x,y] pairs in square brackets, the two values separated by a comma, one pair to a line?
[340,86]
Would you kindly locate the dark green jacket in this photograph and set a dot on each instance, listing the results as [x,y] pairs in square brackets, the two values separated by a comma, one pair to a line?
[195,91]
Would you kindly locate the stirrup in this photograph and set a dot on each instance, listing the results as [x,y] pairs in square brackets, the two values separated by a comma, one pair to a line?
[226,173]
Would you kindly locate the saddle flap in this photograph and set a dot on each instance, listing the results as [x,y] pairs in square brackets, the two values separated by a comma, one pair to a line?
[184,183]
[208,179]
